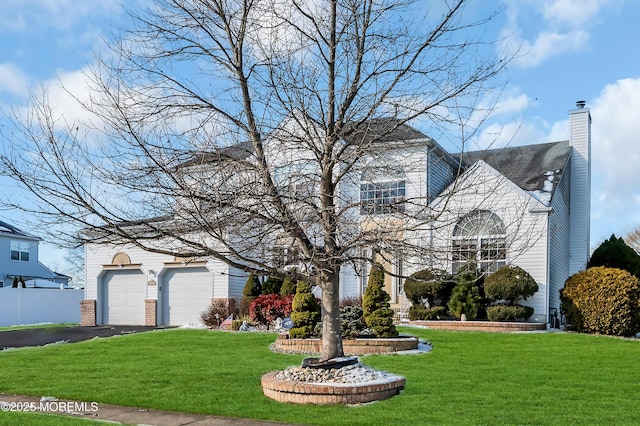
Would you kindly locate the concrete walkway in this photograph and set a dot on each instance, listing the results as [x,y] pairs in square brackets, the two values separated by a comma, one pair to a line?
[120,414]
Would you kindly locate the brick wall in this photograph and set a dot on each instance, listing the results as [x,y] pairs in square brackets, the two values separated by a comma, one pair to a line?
[503,327]
[87,313]
[150,312]
[349,346]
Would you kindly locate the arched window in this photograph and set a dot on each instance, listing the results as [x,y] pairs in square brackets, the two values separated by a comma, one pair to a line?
[479,238]
[382,188]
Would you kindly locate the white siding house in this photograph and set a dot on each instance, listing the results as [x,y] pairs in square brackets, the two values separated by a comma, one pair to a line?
[130,286]
[526,205]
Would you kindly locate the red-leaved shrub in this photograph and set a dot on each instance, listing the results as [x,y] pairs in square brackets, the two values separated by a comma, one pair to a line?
[268,307]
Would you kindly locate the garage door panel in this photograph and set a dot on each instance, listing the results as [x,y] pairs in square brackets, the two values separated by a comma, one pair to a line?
[124,293]
[186,294]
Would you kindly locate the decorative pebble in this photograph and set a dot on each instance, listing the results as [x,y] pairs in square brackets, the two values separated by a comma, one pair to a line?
[356,373]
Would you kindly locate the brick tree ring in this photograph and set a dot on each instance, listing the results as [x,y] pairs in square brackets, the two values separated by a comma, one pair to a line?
[350,384]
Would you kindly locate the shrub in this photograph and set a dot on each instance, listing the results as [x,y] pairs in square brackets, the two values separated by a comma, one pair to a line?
[351,321]
[510,283]
[272,285]
[305,312]
[428,285]
[252,287]
[245,302]
[288,287]
[602,300]
[465,298]
[615,253]
[375,305]
[422,312]
[268,307]
[509,313]
[219,307]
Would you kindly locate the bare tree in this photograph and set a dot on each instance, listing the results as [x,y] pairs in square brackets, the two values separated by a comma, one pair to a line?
[633,239]
[234,130]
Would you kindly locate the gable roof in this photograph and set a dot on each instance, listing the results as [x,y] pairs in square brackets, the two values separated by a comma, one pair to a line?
[384,129]
[534,168]
[7,229]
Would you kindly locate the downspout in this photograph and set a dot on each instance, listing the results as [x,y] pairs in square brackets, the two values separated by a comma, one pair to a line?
[547,271]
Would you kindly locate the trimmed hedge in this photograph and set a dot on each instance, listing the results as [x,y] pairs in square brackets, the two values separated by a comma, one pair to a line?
[421,312]
[510,283]
[603,301]
[429,285]
[509,313]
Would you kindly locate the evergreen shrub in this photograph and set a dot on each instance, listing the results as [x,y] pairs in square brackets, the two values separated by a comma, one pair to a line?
[509,313]
[465,298]
[272,285]
[422,312]
[510,283]
[375,305]
[603,301]
[288,287]
[615,253]
[351,321]
[305,312]
[252,289]
[429,286]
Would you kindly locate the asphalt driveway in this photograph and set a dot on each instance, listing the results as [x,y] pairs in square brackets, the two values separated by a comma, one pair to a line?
[44,336]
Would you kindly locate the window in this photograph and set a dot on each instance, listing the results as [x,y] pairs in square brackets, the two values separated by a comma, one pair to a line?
[20,250]
[382,189]
[479,237]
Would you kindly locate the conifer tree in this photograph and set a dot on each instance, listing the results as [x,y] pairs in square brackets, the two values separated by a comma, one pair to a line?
[375,305]
[305,312]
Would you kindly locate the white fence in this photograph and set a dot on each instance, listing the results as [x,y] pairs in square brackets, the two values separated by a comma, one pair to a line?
[39,305]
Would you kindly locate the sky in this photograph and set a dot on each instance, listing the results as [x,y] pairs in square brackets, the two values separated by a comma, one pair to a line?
[568,50]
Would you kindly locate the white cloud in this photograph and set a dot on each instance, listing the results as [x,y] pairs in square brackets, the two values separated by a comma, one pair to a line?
[564,27]
[513,133]
[575,12]
[66,93]
[13,80]
[616,114]
[548,45]
[23,15]
[615,158]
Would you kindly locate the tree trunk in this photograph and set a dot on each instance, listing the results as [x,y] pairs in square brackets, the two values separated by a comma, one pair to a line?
[331,331]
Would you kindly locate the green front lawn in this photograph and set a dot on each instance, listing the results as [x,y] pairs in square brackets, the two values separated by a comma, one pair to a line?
[52,325]
[468,378]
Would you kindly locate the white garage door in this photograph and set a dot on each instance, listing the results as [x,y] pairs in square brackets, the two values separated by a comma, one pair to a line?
[123,298]
[185,294]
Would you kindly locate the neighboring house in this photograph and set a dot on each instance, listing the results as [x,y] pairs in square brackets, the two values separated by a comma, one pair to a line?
[20,260]
[527,206]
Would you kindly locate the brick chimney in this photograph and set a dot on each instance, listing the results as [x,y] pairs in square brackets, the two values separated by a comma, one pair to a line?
[580,210]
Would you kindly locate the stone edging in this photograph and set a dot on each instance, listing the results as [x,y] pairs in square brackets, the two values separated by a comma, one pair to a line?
[350,347]
[328,393]
[503,327]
